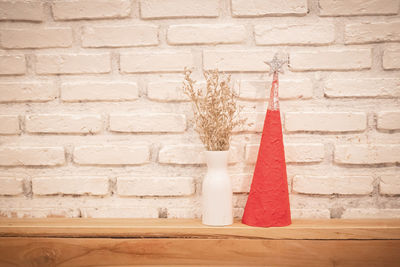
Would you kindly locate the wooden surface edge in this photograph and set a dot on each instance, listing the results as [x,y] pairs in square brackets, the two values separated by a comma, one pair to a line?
[375,229]
[66,252]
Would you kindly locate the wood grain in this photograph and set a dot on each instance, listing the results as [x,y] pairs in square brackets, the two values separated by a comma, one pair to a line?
[62,252]
[182,242]
[300,229]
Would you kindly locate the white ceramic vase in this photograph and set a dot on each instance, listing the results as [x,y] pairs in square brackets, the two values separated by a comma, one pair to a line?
[216,196]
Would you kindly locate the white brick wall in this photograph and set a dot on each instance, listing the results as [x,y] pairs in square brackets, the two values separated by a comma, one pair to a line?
[389,184]
[86,9]
[27,91]
[358,7]
[324,185]
[36,37]
[111,155]
[151,9]
[295,34]
[70,185]
[325,122]
[120,36]
[31,156]
[391,59]
[94,121]
[21,10]
[158,186]
[346,59]
[367,154]
[10,186]
[9,124]
[206,34]
[148,122]
[372,32]
[163,61]
[12,64]
[99,91]
[294,89]
[73,63]
[257,8]
[362,87]
[65,123]
[236,60]
[388,120]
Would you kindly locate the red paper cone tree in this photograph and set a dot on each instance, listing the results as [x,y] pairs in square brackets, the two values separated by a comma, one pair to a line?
[268,201]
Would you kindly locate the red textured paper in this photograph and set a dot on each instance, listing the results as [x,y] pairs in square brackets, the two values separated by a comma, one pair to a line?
[268,201]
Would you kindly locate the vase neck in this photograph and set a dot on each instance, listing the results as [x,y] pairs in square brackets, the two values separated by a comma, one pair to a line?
[216,159]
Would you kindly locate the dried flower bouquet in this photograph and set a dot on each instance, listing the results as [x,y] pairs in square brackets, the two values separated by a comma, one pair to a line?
[216,112]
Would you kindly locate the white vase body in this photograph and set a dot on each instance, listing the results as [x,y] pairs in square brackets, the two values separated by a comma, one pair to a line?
[216,196]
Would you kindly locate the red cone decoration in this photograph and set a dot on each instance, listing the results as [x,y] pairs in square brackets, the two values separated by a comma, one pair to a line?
[268,201]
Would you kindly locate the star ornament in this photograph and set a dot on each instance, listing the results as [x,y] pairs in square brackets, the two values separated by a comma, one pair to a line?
[276,64]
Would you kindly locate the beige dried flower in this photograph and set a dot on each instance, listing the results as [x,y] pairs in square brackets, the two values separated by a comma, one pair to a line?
[215,110]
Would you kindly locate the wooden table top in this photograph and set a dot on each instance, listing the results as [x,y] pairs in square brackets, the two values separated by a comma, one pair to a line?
[193,228]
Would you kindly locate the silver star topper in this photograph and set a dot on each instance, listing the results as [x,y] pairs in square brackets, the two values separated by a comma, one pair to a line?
[276,64]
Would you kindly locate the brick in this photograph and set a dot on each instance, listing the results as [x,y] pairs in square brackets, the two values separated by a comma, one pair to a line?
[184,213]
[169,91]
[36,37]
[389,184]
[63,123]
[120,36]
[254,122]
[27,91]
[87,9]
[349,59]
[358,7]
[161,61]
[155,186]
[11,186]
[206,34]
[166,91]
[31,156]
[288,89]
[120,212]
[327,185]
[388,120]
[152,9]
[371,213]
[304,153]
[294,153]
[12,65]
[310,213]
[241,182]
[21,10]
[189,154]
[99,91]
[9,124]
[295,34]
[325,121]
[367,154]
[73,63]
[36,212]
[71,185]
[111,155]
[362,87]
[259,8]
[236,60]
[148,122]
[372,32]
[391,59]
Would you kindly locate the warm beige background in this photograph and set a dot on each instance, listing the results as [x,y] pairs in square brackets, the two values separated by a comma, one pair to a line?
[94,123]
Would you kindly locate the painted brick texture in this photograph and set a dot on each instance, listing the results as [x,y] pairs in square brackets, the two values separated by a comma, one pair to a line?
[94,121]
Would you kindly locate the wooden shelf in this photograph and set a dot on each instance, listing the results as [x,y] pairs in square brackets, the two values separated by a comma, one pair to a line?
[127,242]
